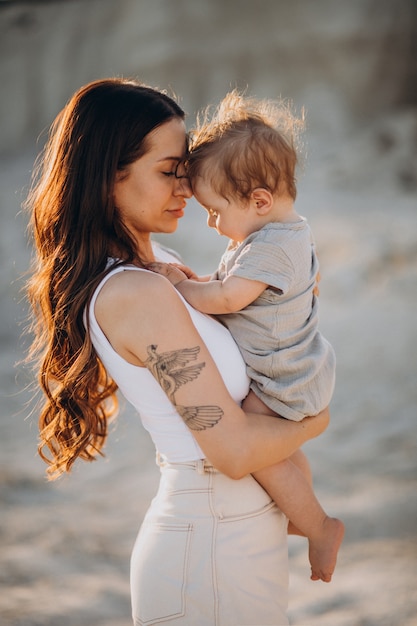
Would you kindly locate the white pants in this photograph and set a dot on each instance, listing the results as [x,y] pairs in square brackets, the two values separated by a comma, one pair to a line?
[211,551]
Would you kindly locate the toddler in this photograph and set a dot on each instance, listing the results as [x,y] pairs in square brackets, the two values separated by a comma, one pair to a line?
[242,171]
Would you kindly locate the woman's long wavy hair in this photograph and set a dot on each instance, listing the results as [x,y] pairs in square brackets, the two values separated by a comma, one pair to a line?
[76,227]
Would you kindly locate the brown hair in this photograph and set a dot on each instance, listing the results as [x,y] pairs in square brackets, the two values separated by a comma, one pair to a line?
[246,143]
[76,227]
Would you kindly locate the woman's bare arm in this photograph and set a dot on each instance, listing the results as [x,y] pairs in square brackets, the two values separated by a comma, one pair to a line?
[148,325]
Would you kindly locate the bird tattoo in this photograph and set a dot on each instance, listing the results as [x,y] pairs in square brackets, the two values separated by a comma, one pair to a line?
[172,369]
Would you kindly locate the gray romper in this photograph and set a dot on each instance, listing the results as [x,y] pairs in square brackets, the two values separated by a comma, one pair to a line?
[290,363]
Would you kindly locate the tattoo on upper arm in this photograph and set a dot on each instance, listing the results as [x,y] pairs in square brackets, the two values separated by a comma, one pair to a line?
[171,370]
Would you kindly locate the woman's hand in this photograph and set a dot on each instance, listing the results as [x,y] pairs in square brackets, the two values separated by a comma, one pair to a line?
[263,440]
[317,424]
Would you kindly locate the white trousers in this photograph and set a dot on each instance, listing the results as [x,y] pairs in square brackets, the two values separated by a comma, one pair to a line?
[211,551]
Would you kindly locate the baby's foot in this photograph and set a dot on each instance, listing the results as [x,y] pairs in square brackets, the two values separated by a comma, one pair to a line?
[324,548]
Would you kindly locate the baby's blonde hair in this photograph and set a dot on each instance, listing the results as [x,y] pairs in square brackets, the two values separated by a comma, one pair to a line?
[244,144]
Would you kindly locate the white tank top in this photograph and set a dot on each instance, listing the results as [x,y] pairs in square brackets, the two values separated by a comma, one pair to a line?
[171,437]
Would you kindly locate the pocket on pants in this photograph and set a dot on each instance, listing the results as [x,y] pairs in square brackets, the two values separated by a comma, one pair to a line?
[159,572]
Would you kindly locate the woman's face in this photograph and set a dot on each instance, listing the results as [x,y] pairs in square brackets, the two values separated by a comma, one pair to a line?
[148,195]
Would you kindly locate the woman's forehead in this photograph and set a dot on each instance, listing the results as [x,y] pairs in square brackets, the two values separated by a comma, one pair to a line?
[168,140]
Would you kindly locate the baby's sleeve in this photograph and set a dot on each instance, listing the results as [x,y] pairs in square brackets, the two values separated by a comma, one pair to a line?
[266,262]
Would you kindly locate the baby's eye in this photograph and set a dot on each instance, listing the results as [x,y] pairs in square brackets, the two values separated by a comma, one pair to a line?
[169,173]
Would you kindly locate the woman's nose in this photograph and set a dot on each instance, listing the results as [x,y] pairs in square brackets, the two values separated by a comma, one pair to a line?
[183,187]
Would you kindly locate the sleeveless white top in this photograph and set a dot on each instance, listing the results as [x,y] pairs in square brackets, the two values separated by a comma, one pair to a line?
[171,437]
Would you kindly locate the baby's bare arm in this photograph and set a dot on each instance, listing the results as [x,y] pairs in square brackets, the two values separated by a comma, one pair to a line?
[210,296]
[221,296]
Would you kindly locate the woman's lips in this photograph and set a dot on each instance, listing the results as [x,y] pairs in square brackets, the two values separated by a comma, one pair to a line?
[177,212]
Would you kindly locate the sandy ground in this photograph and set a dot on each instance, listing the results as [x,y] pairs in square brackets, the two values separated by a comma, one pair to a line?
[64,554]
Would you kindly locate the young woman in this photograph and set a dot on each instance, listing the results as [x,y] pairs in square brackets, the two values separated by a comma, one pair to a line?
[212,548]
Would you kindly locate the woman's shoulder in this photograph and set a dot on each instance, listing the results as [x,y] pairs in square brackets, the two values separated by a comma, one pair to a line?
[133,287]
[131,310]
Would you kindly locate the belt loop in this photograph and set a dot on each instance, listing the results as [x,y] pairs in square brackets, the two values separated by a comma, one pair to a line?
[160,461]
[200,467]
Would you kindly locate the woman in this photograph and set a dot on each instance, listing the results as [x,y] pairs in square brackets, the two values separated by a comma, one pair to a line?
[212,548]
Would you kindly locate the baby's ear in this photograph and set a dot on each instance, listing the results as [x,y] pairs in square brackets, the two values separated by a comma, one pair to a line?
[262,200]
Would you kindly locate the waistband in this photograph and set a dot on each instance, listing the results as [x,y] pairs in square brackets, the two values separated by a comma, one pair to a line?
[201,466]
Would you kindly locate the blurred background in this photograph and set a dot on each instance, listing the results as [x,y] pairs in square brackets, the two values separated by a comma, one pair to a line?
[64,551]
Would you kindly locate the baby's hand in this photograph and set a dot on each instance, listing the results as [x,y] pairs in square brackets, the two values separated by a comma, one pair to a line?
[187,270]
[173,273]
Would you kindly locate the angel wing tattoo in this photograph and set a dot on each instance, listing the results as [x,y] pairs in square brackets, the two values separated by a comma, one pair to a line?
[200,417]
[171,370]
[169,367]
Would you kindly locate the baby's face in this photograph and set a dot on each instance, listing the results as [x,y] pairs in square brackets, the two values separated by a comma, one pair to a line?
[230,217]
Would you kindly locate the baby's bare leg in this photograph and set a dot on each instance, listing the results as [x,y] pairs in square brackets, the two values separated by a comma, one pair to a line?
[300,460]
[289,484]
[289,488]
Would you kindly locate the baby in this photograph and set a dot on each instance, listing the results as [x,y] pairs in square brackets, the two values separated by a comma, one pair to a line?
[242,171]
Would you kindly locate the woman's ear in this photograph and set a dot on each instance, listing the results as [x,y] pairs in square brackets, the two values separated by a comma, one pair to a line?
[262,200]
